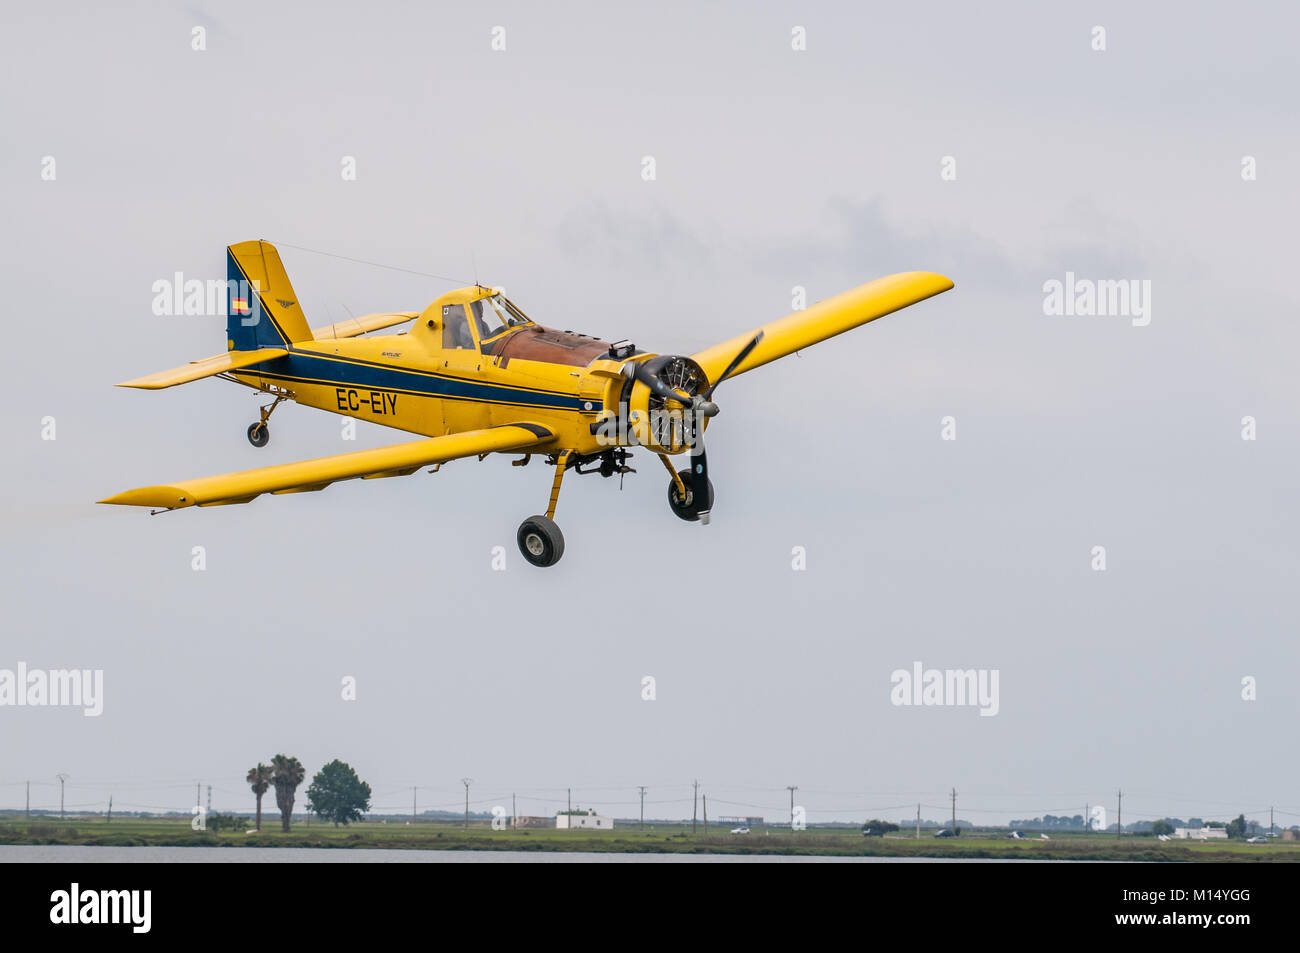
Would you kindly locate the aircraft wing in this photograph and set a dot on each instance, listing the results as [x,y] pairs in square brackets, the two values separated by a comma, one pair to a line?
[307,475]
[208,367]
[355,327]
[823,320]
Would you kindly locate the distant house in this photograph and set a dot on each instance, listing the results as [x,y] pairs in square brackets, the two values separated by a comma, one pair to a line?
[586,820]
[1291,834]
[1201,833]
[526,821]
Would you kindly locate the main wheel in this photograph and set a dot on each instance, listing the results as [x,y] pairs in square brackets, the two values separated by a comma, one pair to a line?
[689,508]
[541,541]
[259,434]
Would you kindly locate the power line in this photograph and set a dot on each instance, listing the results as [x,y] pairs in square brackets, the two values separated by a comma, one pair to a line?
[373,264]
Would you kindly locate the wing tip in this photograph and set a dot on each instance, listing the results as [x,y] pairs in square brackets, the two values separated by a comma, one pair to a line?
[163,497]
[940,282]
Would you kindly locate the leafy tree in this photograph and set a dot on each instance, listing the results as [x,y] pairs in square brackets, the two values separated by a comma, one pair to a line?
[1237,826]
[337,794]
[286,774]
[1162,827]
[877,828]
[259,779]
[223,822]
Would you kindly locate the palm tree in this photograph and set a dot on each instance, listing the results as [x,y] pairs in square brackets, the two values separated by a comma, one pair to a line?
[286,774]
[259,779]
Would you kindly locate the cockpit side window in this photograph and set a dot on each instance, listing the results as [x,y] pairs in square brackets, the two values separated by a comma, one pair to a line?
[455,328]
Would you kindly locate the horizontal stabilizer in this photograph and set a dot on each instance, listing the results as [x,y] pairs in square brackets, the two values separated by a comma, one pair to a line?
[208,367]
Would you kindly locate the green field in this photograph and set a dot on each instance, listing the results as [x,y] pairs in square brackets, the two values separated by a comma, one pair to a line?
[450,835]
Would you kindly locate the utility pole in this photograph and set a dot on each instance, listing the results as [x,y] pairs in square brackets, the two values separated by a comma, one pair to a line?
[110,810]
[514,811]
[1270,822]
[62,777]
[706,815]
[210,800]
[198,794]
[954,811]
[641,788]
[413,804]
[1119,815]
[570,801]
[467,782]
[695,804]
[792,788]
[918,820]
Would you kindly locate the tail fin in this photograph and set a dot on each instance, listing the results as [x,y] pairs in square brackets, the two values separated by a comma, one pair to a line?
[262,308]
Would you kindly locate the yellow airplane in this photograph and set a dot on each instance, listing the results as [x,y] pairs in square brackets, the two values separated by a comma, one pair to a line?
[473,375]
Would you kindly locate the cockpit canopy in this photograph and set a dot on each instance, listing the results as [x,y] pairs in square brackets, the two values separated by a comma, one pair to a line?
[493,316]
[485,320]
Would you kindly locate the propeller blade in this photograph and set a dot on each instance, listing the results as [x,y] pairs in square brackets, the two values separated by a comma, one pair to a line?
[703,405]
[735,362]
[700,476]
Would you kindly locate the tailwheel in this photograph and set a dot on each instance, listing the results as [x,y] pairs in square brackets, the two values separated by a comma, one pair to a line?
[259,434]
[694,504]
[541,541]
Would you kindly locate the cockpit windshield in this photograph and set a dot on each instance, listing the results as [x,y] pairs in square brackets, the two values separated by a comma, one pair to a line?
[495,315]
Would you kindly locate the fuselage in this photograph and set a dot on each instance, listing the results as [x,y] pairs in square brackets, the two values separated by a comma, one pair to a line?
[455,370]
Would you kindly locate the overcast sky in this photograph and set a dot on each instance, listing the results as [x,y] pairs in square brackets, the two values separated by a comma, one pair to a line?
[775,168]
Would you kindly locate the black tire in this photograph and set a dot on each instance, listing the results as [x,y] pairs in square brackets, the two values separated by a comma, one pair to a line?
[541,541]
[259,434]
[690,508]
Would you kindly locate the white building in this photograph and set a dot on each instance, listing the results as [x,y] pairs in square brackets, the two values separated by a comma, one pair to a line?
[1201,833]
[589,820]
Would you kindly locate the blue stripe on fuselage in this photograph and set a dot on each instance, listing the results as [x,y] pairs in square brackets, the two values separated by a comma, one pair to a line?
[314,368]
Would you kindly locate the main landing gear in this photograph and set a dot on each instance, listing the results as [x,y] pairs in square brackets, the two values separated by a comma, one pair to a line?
[259,434]
[540,540]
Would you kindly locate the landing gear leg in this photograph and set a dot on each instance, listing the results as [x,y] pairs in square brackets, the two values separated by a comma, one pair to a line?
[540,540]
[259,434]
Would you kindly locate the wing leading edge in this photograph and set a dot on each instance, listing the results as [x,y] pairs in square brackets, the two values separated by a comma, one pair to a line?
[355,327]
[823,320]
[308,475]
